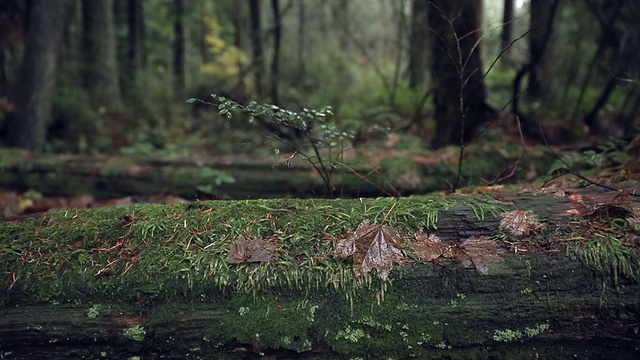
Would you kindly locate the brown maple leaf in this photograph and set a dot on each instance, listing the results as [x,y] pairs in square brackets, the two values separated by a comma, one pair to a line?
[243,250]
[371,247]
[428,247]
[479,252]
[520,222]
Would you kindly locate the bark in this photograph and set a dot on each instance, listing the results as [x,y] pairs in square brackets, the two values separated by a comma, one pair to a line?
[256,45]
[542,13]
[418,43]
[100,57]
[136,54]
[535,304]
[456,71]
[27,125]
[179,46]
[507,24]
[275,60]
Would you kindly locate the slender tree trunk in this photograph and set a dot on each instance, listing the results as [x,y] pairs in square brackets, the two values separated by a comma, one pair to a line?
[136,54]
[179,46]
[275,60]
[507,24]
[301,39]
[542,14]
[418,44]
[237,12]
[256,42]
[456,70]
[27,126]
[100,57]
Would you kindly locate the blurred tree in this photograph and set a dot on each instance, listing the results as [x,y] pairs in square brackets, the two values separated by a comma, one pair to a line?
[507,24]
[180,46]
[275,60]
[418,43]
[456,70]
[256,45]
[100,61]
[136,55]
[27,125]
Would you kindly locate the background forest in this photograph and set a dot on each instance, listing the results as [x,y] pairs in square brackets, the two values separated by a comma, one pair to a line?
[114,76]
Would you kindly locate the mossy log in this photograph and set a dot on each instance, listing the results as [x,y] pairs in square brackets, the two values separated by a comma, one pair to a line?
[159,281]
[374,173]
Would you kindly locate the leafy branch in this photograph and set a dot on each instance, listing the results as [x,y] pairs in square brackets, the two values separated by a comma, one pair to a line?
[314,129]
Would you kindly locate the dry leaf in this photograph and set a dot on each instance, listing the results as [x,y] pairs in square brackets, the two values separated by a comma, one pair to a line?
[520,222]
[430,248]
[243,250]
[619,206]
[479,252]
[371,247]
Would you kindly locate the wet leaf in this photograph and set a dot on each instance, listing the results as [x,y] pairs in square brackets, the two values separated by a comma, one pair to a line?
[596,206]
[479,252]
[428,247]
[371,247]
[243,250]
[520,222]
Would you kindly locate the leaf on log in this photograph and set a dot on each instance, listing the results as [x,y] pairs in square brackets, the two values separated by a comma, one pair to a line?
[619,206]
[479,252]
[243,250]
[428,247]
[520,222]
[371,247]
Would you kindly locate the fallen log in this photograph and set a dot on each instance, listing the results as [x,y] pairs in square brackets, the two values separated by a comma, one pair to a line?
[550,275]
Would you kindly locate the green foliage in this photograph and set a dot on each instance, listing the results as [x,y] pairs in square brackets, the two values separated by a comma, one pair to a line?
[318,134]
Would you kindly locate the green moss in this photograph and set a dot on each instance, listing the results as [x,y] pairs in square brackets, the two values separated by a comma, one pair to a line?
[609,255]
[113,252]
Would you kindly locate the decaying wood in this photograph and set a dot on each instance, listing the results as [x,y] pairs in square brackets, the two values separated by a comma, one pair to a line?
[536,302]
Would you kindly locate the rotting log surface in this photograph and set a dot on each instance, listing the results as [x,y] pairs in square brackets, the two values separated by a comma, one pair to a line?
[538,302]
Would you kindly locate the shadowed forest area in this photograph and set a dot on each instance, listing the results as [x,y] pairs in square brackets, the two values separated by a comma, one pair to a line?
[335,84]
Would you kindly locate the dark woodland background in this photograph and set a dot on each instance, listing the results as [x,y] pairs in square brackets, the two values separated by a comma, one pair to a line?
[113,76]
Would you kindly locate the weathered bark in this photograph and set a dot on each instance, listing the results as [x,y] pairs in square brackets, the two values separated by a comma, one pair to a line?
[456,70]
[100,58]
[540,303]
[27,125]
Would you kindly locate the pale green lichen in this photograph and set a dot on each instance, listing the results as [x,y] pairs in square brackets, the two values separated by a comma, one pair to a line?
[93,311]
[508,335]
[353,335]
[135,333]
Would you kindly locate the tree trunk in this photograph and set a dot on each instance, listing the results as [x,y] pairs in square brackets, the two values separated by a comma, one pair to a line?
[456,70]
[275,60]
[302,20]
[179,46]
[150,280]
[256,45]
[507,24]
[136,54]
[541,22]
[27,125]
[100,57]
[418,43]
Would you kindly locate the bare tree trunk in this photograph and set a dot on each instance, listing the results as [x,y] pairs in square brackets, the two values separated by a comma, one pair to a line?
[275,60]
[542,14]
[100,60]
[136,55]
[27,126]
[179,46]
[456,70]
[418,44]
[507,24]
[256,42]
[301,38]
